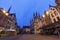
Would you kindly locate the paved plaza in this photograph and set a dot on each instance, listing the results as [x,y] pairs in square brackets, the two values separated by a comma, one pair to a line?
[32,37]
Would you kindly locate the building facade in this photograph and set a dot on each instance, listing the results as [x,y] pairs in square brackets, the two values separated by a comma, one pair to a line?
[52,19]
[54,12]
[50,16]
[36,23]
[7,21]
[26,30]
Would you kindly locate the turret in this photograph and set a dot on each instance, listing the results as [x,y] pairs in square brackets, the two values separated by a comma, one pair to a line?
[36,15]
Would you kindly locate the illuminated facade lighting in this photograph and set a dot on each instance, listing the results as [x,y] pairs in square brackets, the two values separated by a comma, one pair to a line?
[43,16]
[5,13]
[0,30]
[47,13]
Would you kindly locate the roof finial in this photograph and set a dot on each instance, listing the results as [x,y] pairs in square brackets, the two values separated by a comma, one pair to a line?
[9,9]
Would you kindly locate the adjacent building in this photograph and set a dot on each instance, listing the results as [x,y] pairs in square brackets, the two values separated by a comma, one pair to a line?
[7,22]
[26,30]
[55,12]
[52,19]
[50,16]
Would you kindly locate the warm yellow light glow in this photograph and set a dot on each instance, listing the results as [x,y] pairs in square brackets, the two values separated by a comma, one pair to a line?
[43,16]
[5,13]
[47,13]
[0,30]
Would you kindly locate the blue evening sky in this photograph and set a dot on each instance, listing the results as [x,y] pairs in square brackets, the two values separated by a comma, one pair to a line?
[24,8]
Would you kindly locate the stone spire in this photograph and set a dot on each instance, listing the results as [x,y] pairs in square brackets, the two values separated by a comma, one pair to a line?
[36,15]
[9,9]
